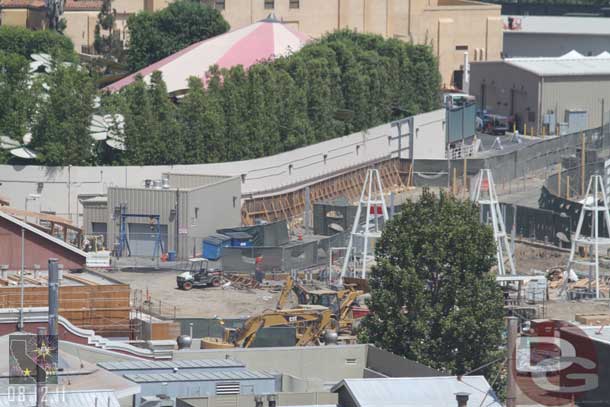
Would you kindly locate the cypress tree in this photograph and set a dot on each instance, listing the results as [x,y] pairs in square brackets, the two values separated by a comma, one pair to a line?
[170,144]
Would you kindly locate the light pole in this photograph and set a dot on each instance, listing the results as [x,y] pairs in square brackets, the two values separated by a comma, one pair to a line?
[30,197]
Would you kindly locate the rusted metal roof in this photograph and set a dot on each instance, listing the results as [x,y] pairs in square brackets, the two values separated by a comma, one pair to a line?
[37,4]
[70,5]
[82,5]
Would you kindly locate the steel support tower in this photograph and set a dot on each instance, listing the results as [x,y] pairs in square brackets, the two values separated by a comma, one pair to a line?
[596,202]
[372,199]
[485,195]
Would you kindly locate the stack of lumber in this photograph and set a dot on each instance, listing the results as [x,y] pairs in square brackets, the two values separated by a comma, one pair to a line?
[594,319]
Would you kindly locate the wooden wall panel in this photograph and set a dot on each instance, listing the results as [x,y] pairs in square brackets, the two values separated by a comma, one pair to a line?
[103,308]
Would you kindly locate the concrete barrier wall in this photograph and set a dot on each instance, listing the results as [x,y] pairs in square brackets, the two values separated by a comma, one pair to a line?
[59,187]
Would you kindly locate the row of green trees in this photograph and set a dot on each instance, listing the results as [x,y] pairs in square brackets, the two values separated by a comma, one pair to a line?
[343,83]
[25,42]
[54,107]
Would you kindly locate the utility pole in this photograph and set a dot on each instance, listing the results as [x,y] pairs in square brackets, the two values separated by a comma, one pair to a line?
[603,101]
[464,136]
[582,163]
[511,384]
[53,279]
[21,282]
[306,213]
[602,127]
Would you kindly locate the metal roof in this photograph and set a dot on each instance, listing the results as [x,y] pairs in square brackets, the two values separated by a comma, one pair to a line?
[171,364]
[42,234]
[562,66]
[199,376]
[418,391]
[104,398]
[559,25]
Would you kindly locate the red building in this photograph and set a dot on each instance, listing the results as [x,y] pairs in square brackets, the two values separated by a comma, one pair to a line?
[39,247]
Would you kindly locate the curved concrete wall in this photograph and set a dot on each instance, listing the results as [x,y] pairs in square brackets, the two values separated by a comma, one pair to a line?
[59,187]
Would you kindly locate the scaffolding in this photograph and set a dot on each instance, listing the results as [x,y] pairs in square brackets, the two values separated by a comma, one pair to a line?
[485,194]
[372,199]
[595,202]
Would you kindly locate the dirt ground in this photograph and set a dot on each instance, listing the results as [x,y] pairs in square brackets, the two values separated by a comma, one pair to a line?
[532,260]
[199,302]
[229,302]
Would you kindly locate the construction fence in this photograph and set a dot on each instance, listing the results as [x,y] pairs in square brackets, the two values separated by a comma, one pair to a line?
[511,164]
[541,225]
[215,328]
[564,190]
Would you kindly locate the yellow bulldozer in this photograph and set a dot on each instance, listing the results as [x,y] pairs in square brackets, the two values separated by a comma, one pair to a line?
[310,321]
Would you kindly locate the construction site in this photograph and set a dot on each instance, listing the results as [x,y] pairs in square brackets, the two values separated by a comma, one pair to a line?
[280,254]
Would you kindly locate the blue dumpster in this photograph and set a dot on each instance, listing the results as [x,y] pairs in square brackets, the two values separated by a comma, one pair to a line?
[240,239]
[171,256]
[213,244]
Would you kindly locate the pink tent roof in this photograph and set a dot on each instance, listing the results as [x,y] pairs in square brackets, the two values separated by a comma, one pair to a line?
[245,46]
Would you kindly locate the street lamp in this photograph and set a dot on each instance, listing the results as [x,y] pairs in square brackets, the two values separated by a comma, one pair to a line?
[30,197]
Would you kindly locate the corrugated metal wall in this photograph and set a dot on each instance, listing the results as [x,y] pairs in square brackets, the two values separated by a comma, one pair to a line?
[577,92]
[200,212]
[461,122]
[162,202]
[213,207]
[94,213]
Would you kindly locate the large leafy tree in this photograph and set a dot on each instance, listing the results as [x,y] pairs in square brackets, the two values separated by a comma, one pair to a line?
[18,96]
[17,40]
[61,132]
[434,299]
[153,36]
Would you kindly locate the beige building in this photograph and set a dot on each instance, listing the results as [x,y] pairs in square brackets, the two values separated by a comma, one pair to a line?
[80,16]
[23,13]
[452,27]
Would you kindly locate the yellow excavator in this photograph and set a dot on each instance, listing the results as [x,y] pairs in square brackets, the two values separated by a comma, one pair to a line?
[338,302]
[310,321]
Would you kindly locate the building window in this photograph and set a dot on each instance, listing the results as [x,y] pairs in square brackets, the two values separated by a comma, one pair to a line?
[269,4]
[196,213]
[294,4]
[219,4]
[461,47]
